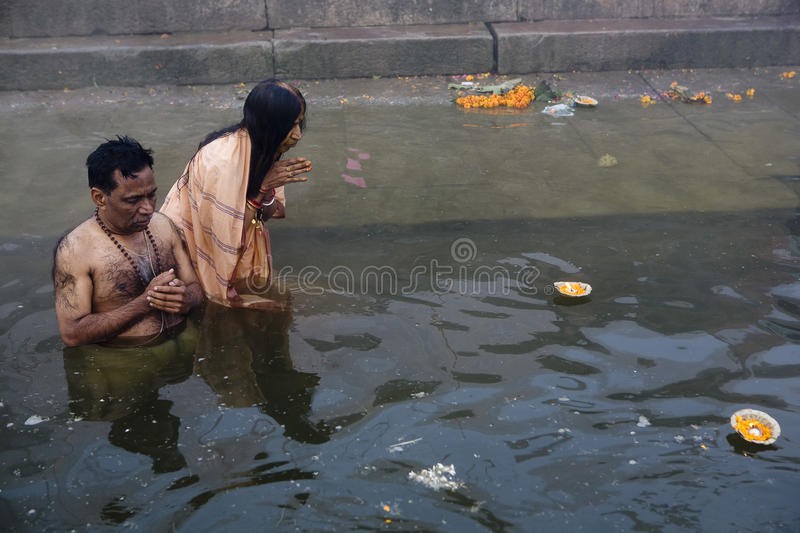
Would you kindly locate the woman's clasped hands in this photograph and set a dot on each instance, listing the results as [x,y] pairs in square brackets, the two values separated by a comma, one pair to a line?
[288,171]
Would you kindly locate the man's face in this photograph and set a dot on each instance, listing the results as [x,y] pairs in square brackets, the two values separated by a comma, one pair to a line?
[130,206]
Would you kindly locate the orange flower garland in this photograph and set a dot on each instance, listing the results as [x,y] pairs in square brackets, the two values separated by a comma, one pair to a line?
[519,97]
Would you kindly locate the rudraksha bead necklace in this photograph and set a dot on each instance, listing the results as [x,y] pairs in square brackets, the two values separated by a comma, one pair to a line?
[127,254]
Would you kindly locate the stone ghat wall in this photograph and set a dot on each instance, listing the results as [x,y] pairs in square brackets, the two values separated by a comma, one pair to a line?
[61,18]
[61,44]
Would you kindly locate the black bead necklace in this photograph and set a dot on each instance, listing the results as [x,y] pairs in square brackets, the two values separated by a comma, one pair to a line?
[126,253]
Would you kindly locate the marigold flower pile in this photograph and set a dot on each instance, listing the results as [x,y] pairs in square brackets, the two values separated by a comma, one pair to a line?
[519,97]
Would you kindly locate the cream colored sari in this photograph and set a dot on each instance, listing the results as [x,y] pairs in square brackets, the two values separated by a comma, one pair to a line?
[228,244]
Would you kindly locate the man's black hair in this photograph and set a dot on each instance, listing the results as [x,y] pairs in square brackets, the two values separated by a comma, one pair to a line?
[124,154]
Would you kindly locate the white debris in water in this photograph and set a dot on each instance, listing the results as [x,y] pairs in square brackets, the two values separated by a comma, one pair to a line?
[34,419]
[419,395]
[437,477]
[724,290]
[679,438]
[400,446]
[643,422]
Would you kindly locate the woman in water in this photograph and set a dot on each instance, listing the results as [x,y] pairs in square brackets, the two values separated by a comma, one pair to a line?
[232,185]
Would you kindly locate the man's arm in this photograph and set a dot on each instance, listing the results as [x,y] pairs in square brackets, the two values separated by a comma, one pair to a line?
[184,292]
[73,294]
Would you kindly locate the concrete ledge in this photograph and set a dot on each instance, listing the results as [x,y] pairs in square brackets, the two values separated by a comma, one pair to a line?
[383,51]
[596,45]
[30,64]
[406,50]
[347,13]
[534,10]
[58,18]
[64,18]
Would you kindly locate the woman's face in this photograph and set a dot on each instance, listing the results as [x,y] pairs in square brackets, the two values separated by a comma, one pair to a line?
[294,135]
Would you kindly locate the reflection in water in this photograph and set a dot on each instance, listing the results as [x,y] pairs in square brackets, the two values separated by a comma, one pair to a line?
[243,355]
[746,448]
[121,385]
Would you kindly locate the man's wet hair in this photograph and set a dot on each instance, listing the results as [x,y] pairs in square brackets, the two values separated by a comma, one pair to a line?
[124,154]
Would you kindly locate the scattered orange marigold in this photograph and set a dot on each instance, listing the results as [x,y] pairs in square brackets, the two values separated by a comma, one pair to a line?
[788,75]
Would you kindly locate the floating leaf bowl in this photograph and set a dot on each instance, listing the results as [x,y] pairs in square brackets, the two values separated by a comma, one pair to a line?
[584,101]
[755,426]
[573,289]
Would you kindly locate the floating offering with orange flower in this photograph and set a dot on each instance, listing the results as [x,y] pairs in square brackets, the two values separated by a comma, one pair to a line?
[573,289]
[755,426]
[584,101]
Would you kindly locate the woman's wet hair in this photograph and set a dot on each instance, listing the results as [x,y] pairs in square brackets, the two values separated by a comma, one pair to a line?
[269,114]
[124,154]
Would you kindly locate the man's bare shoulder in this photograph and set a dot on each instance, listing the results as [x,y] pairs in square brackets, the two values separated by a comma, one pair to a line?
[164,227]
[79,241]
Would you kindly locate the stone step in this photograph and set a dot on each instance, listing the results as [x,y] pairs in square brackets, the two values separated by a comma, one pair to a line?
[75,18]
[512,47]
[64,18]
[182,59]
[383,51]
[622,44]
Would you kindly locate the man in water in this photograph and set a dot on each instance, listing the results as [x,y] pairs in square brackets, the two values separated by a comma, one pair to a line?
[123,276]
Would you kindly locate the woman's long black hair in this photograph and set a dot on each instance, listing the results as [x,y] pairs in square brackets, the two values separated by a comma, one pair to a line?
[270,111]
